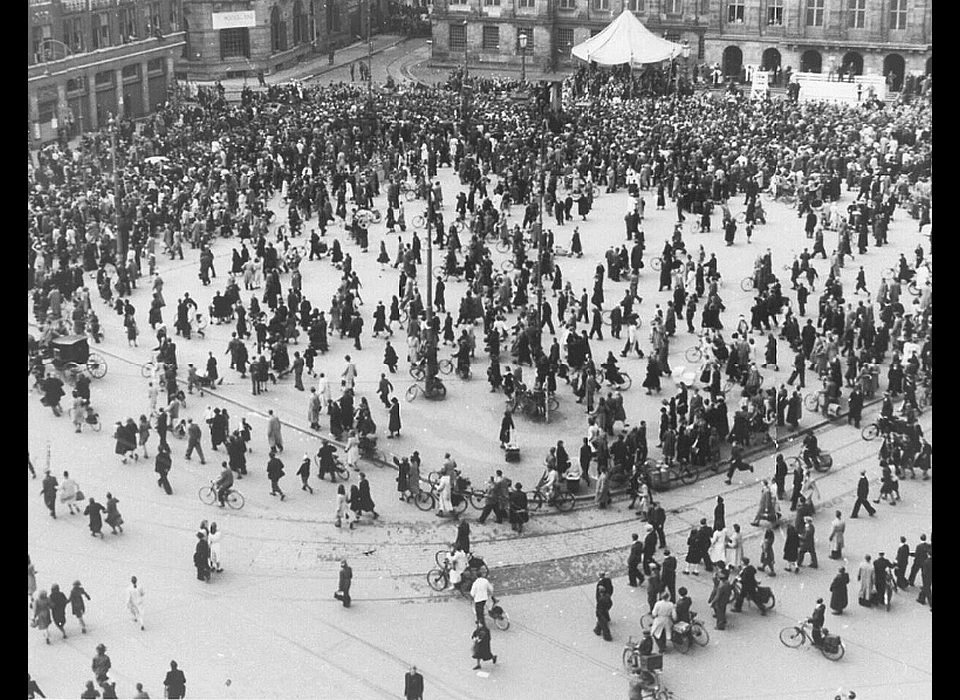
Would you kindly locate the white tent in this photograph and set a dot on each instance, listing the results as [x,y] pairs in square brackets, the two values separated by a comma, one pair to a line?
[626,40]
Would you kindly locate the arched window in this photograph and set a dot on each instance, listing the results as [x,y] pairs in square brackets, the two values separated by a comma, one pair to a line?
[278,31]
[811,62]
[301,33]
[852,63]
[732,62]
[895,64]
[771,59]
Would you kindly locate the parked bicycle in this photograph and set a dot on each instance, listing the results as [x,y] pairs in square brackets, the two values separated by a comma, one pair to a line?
[564,501]
[684,634]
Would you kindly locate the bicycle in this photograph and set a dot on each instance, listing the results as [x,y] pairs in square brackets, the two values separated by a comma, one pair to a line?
[796,636]
[765,594]
[234,499]
[339,469]
[647,667]
[624,383]
[365,217]
[683,473]
[419,370]
[693,354]
[823,463]
[532,403]
[428,500]
[747,284]
[683,636]
[437,391]
[564,501]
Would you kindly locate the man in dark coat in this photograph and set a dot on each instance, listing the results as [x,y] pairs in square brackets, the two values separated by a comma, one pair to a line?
[838,591]
[633,561]
[343,584]
[880,566]
[705,534]
[604,603]
[668,574]
[903,558]
[649,548]
[162,465]
[175,683]
[919,555]
[657,518]
[719,599]
[413,685]
[855,410]
[863,493]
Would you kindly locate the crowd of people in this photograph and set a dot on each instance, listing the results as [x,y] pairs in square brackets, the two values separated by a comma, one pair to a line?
[261,172]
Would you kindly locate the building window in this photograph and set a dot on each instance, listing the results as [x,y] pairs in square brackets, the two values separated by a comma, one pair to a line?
[77,85]
[814,13]
[40,36]
[153,16]
[526,3]
[73,33]
[491,38]
[131,71]
[674,7]
[300,34]
[235,43]
[701,48]
[527,32]
[856,13]
[278,31]
[635,5]
[775,13]
[898,14]
[100,30]
[735,12]
[458,37]
[568,4]
[174,15]
[127,22]
[156,65]
[564,40]
[104,78]
[601,4]
[488,3]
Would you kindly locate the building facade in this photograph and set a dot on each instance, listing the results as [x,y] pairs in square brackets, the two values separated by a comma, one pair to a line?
[89,59]
[871,36]
[239,38]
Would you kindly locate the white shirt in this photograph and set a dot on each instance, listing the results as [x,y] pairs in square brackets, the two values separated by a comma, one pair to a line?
[481,590]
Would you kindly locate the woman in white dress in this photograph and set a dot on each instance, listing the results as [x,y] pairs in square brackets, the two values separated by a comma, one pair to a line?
[663,613]
[353,450]
[343,512]
[445,488]
[214,541]
[734,548]
[718,549]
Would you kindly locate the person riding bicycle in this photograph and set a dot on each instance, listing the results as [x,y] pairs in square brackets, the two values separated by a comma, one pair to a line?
[327,462]
[224,484]
[648,679]
[817,620]
[811,450]
[748,587]
[458,561]
[612,371]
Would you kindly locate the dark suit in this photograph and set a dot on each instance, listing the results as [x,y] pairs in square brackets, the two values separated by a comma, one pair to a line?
[633,562]
[413,686]
[863,493]
[903,558]
[919,556]
[649,549]
[668,575]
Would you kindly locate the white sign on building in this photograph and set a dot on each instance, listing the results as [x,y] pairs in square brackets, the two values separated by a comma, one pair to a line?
[234,20]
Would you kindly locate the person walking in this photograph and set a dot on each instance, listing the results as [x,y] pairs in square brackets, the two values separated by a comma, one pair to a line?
[101,664]
[162,465]
[413,685]
[48,489]
[807,544]
[633,561]
[58,608]
[863,496]
[193,440]
[114,519]
[767,558]
[135,605]
[481,645]
[866,589]
[174,683]
[481,591]
[274,438]
[920,554]
[274,474]
[838,591]
[394,424]
[214,539]
[93,511]
[903,558]
[344,582]
[664,615]
[33,690]
[77,606]
[342,512]
[657,518]
[668,574]
[926,585]
[654,585]
[837,528]
[304,473]
[780,476]
[791,548]
[68,493]
[604,604]
[42,614]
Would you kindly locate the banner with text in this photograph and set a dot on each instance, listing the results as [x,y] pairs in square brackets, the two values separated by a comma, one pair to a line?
[234,20]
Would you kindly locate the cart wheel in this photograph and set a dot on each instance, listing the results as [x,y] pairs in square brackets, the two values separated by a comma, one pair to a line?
[97,365]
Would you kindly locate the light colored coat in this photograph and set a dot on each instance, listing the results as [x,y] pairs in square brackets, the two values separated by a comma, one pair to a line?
[837,528]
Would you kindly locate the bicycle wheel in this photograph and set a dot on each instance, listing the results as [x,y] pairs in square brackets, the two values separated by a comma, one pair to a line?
[477,500]
[792,637]
[418,221]
[656,264]
[741,217]
[693,228]
[605,316]
[207,495]
[504,246]
[688,475]
[445,366]
[812,401]
[681,642]
[502,621]
[418,372]
[694,354]
[772,603]
[625,382]
[437,579]
[148,369]
[410,195]
[631,659]
[440,556]
[566,502]
[835,654]
[433,478]
[441,272]
[699,634]
[235,500]
[746,284]
[424,501]
[794,462]
[662,694]
[413,392]
[646,621]
[507,265]
[554,403]
[460,506]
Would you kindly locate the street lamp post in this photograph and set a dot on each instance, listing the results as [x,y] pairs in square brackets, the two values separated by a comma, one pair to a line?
[121,237]
[523,57]
[369,55]
[685,51]
[463,86]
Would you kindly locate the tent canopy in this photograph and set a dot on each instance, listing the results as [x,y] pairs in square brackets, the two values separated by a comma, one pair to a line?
[626,40]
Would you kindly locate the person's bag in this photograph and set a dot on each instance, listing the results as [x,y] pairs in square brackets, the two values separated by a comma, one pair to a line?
[79,496]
